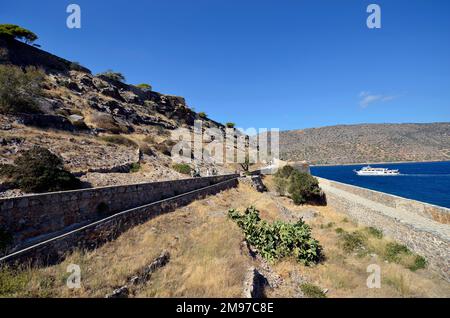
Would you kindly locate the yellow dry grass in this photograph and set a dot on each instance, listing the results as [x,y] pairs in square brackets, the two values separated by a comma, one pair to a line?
[207,258]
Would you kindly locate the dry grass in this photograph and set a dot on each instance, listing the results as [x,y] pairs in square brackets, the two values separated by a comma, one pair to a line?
[207,259]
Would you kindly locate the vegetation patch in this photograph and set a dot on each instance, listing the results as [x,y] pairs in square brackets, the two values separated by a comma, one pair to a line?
[119,140]
[12,281]
[279,239]
[19,89]
[394,251]
[39,170]
[182,168]
[312,291]
[302,187]
[353,242]
[115,76]
[135,167]
[374,232]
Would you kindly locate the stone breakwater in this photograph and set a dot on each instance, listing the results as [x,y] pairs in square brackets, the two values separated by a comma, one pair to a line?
[422,227]
[30,219]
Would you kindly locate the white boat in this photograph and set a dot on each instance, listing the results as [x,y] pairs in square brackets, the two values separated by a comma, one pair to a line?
[369,171]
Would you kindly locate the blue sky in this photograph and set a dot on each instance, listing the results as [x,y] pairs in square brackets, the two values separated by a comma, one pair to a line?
[284,64]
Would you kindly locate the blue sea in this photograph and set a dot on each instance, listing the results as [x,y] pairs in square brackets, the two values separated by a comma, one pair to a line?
[425,181]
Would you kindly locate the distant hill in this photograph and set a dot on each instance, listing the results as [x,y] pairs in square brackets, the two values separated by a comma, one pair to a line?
[367,143]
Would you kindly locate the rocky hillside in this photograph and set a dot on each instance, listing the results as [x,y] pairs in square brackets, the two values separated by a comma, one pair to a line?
[367,143]
[101,127]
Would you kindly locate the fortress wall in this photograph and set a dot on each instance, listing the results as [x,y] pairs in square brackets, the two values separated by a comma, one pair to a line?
[93,236]
[433,212]
[28,217]
[413,223]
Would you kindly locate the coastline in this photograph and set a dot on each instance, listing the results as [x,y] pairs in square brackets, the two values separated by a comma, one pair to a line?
[373,163]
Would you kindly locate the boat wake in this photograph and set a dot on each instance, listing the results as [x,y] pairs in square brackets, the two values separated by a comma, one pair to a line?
[424,175]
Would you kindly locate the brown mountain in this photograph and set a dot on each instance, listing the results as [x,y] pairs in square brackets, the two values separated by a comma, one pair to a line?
[367,143]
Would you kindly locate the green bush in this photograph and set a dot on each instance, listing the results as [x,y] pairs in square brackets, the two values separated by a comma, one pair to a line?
[279,239]
[135,167]
[419,263]
[182,168]
[230,125]
[38,170]
[19,89]
[202,115]
[352,242]
[18,33]
[302,187]
[145,87]
[115,76]
[312,291]
[394,251]
[374,232]
[12,281]
[119,140]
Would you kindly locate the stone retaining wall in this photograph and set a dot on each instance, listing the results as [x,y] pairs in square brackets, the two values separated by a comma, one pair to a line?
[433,212]
[407,221]
[28,217]
[92,236]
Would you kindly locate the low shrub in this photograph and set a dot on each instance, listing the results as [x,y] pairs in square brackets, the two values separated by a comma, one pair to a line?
[353,242]
[374,232]
[279,239]
[12,281]
[182,168]
[135,167]
[418,263]
[115,76]
[312,291]
[119,140]
[394,251]
[145,87]
[39,170]
[19,89]
[202,115]
[230,125]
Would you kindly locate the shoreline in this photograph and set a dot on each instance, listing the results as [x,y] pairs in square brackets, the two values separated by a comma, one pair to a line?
[373,163]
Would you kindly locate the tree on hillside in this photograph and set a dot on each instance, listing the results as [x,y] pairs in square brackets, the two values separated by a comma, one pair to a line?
[18,33]
[115,76]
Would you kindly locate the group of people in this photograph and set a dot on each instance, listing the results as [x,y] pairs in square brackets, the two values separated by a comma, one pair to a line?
[195,173]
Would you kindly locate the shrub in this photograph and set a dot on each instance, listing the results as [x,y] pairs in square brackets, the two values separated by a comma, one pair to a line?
[312,291]
[115,76]
[419,263]
[145,87]
[394,250]
[230,125]
[12,281]
[18,33]
[119,140]
[277,240]
[75,66]
[135,167]
[374,232]
[339,230]
[302,187]
[352,242]
[202,115]
[182,168]
[39,170]
[19,89]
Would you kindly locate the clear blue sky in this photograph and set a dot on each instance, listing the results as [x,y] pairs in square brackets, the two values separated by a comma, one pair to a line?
[286,64]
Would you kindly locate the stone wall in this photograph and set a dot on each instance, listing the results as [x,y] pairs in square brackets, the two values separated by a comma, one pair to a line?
[28,217]
[413,223]
[97,233]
